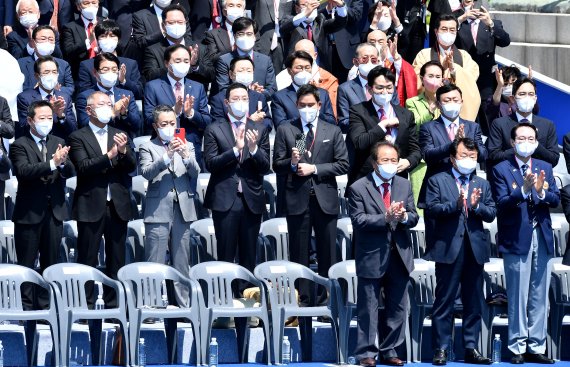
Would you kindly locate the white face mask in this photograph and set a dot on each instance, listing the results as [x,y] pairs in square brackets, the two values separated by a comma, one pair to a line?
[364,69]
[108,80]
[45,48]
[467,8]
[507,91]
[239,109]
[180,70]
[466,166]
[302,78]
[244,78]
[234,13]
[49,81]
[387,170]
[162,3]
[104,114]
[108,44]
[384,23]
[382,99]
[245,43]
[43,128]
[308,114]
[29,20]
[176,31]
[451,110]
[526,149]
[525,104]
[90,12]
[446,39]
[166,133]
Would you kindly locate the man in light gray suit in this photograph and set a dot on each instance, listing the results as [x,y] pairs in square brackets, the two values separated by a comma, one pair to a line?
[169,164]
[381,207]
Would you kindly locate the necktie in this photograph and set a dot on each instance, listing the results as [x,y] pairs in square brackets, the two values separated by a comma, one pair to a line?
[216,19]
[451,131]
[464,181]
[524,168]
[367,93]
[48,98]
[474,29]
[53,19]
[93,43]
[524,120]
[309,32]
[44,150]
[382,118]
[386,194]
[310,137]
[178,90]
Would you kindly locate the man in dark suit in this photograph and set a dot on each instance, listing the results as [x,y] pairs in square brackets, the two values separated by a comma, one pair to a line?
[241,71]
[104,159]
[6,132]
[41,165]
[524,189]
[108,35]
[121,11]
[187,97]
[204,15]
[176,32]
[244,31]
[47,75]
[106,72]
[236,152]
[63,15]
[565,199]
[44,44]
[457,204]
[309,191]
[380,119]
[78,40]
[284,105]
[6,17]
[267,14]
[381,207]
[437,137]
[499,142]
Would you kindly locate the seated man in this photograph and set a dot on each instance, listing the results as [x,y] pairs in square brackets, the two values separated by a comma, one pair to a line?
[242,71]
[106,72]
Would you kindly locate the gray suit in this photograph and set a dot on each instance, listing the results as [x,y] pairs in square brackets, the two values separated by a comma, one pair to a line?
[384,258]
[169,207]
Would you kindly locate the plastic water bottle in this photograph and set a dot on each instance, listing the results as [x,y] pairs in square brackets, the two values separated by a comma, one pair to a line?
[71,257]
[450,351]
[213,360]
[142,353]
[164,295]
[1,354]
[497,345]
[352,360]
[100,303]
[286,351]
[73,357]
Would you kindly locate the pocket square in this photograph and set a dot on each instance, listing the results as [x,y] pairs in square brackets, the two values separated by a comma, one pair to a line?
[326,141]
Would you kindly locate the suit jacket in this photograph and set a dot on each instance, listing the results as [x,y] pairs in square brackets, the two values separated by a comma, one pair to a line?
[96,174]
[6,132]
[447,224]
[226,169]
[39,188]
[122,12]
[65,79]
[263,73]
[566,150]
[18,41]
[73,36]
[146,29]
[162,179]
[364,132]
[159,91]
[373,235]
[65,12]
[350,93]
[200,16]
[483,53]
[435,145]
[6,12]
[133,81]
[565,197]
[284,107]
[348,37]
[499,142]
[330,157]
[514,223]
[219,110]
[131,124]
[264,16]
[60,129]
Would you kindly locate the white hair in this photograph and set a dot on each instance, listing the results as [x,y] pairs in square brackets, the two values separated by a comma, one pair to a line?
[21,1]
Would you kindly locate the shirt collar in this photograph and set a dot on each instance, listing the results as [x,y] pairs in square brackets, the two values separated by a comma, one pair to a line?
[37,139]
[378,181]
[456,173]
[233,120]
[521,117]
[44,94]
[170,43]
[441,50]
[97,128]
[448,122]
[87,21]
[158,11]
[241,53]
[520,163]
[228,27]
[105,90]
[363,81]
[173,81]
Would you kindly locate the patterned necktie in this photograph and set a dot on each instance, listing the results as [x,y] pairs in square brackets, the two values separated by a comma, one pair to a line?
[93,44]
[382,118]
[309,32]
[451,131]
[386,194]
[44,150]
[178,90]
[216,18]
[464,181]
[310,137]
[48,98]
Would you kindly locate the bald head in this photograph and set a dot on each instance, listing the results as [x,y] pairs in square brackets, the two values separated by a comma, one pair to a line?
[307,46]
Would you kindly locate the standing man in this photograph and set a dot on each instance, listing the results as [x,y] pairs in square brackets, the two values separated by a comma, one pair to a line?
[457,204]
[6,132]
[169,165]
[41,165]
[524,189]
[381,207]
[102,203]
[236,152]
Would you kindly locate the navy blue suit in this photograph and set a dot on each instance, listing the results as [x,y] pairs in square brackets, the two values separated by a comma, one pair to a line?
[7,12]
[65,79]
[435,145]
[133,82]
[349,93]
[284,107]
[60,129]
[263,72]
[131,124]
[219,110]
[457,242]
[18,41]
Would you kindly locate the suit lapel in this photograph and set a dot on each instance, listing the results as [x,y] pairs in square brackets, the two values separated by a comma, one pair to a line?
[452,183]
[357,88]
[320,134]
[401,126]
[91,140]
[166,87]
[516,172]
[228,132]
[440,127]
[224,38]
[292,95]
[34,146]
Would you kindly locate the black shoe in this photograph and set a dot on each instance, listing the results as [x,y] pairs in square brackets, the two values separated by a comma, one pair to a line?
[517,359]
[474,357]
[439,357]
[324,319]
[538,358]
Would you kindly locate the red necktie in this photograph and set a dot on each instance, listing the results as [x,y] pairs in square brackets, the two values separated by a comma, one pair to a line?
[382,118]
[386,194]
[309,32]
[216,19]
[91,52]
[451,131]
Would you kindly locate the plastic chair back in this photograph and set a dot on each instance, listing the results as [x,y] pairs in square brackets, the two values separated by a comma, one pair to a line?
[276,231]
